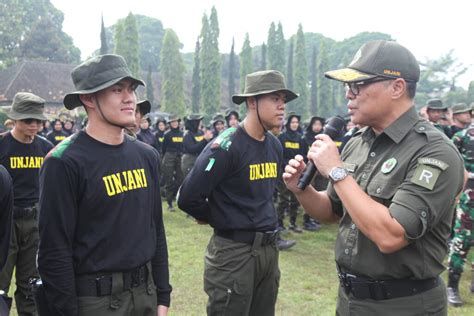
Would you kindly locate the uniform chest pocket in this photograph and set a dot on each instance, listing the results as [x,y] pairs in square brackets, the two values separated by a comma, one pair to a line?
[382,191]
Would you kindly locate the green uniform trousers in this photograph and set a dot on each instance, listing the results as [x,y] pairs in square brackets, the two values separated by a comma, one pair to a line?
[463,237]
[172,174]
[241,279]
[22,254]
[431,302]
[187,163]
[286,202]
[140,300]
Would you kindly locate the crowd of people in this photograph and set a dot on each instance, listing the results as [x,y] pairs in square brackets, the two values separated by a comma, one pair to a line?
[81,206]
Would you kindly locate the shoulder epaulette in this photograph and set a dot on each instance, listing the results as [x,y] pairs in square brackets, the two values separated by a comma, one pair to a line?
[224,140]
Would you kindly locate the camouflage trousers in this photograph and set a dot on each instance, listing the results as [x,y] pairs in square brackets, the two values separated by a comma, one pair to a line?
[187,163]
[462,233]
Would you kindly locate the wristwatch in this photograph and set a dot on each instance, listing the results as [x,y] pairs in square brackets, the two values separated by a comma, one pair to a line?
[337,174]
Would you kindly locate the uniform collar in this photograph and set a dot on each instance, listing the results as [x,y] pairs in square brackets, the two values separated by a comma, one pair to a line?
[398,129]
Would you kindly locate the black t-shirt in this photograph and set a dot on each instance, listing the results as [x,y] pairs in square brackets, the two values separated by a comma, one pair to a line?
[100,211]
[6,210]
[292,144]
[23,162]
[56,137]
[232,183]
[173,141]
[194,142]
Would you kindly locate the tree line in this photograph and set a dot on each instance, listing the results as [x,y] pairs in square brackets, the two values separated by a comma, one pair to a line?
[203,81]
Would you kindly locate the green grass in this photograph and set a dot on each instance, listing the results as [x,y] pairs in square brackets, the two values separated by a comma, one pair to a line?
[308,275]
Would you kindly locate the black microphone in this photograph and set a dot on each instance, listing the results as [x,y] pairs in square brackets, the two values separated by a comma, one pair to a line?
[333,128]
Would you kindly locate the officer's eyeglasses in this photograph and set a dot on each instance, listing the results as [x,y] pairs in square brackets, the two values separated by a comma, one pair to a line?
[30,120]
[354,87]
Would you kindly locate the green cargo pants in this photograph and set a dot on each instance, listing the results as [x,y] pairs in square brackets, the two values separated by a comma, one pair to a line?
[140,300]
[241,279]
[172,174]
[287,202]
[22,254]
[431,302]
[187,163]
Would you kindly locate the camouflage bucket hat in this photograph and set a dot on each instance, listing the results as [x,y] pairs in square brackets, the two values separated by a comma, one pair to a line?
[460,108]
[218,118]
[379,59]
[27,106]
[144,107]
[95,74]
[264,82]
[435,104]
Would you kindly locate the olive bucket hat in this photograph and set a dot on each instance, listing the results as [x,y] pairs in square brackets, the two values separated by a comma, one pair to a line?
[435,104]
[386,59]
[461,108]
[95,74]
[264,82]
[144,107]
[27,106]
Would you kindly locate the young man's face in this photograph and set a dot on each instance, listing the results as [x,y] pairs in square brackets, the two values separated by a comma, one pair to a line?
[27,127]
[271,108]
[434,115]
[118,103]
[463,118]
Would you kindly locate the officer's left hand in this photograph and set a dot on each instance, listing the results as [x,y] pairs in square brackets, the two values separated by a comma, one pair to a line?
[324,154]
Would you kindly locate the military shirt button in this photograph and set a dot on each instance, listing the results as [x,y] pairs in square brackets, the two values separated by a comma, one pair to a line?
[346,251]
[423,214]
[378,190]
[373,154]
[421,128]
[353,226]
[364,176]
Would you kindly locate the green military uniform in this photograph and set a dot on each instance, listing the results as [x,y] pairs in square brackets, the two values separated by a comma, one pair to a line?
[460,245]
[437,104]
[418,180]
[411,169]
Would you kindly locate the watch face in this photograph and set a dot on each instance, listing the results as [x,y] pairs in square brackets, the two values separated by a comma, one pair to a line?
[338,174]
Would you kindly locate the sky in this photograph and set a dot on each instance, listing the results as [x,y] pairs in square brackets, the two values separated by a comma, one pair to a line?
[429,29]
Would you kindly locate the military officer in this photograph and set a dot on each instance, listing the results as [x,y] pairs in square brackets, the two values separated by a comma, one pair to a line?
[392,190]
[436,110]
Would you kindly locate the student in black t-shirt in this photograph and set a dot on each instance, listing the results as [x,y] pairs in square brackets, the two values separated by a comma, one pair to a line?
[22,152]
[102,241]
[6,214]
[231,187]
[57,135]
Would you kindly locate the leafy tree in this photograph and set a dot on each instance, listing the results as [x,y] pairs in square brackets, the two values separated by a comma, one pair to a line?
[246,66]
[103,39]
[150,96]
[210,65]
[313,82]
[263,61]
[127,43]
[300,105]
[172,73]
[196,88]
[231,81]
[20,22]
[289,68]
[276,48]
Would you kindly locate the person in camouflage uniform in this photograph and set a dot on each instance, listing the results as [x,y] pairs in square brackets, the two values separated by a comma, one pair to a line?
[464,141]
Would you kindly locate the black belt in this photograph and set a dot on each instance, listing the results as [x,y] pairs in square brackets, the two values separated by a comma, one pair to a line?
[363,288]
[248,237]
[21,212]
[101,284]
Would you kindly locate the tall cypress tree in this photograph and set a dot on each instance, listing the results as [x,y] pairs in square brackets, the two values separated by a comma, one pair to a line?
[289,68]
[246,66]
[231,81]
[127,44]
[172,75]
[210,65]
[314,84]
[149,86]
[470,93]
[301,75]
[271,45]
[196,89]
[103,39]
[280,61]
[324,87]
[263,65]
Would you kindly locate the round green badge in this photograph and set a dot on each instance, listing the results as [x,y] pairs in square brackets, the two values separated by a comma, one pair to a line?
[388,165]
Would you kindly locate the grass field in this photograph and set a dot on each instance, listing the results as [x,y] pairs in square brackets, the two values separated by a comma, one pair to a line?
[308,275]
